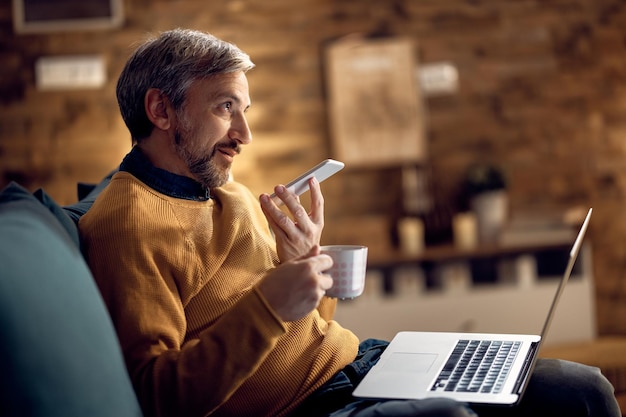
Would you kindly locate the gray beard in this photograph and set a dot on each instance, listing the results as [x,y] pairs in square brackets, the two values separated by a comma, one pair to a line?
[201,167]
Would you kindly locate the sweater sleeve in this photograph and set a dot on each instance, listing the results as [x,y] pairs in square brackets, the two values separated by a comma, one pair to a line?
[327,307]
[200,376]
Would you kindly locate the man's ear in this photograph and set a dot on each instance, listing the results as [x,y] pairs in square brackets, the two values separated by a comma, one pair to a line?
[158,109]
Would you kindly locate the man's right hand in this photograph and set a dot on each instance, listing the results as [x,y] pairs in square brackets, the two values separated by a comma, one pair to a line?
[295,288]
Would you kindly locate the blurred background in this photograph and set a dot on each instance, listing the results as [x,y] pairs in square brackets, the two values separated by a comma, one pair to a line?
[429,103]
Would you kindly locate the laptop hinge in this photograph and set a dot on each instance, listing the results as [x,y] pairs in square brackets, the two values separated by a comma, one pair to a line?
[527,368]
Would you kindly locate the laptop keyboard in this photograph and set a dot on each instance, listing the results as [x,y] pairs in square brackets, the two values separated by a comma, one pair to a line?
[477,366]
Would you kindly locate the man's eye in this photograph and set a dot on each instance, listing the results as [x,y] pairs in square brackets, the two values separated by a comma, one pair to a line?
[227,106]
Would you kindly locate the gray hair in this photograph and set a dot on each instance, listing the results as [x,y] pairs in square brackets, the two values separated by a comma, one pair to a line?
[170,63]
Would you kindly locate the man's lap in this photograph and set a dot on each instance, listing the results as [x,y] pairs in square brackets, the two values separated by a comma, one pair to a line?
[564,388]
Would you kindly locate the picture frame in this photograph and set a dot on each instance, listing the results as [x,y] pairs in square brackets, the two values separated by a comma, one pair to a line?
[375,105]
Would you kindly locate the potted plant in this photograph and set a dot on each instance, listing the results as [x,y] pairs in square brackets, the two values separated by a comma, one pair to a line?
[486,190]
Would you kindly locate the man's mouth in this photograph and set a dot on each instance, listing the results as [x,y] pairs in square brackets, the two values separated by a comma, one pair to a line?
[230,149]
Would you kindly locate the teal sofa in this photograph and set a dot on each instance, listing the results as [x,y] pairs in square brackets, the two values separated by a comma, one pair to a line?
[60,354]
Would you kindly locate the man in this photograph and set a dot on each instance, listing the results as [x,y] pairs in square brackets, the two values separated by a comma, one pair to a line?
[216,314]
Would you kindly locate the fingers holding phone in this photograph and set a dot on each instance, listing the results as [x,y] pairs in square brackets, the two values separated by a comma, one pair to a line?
[298,230]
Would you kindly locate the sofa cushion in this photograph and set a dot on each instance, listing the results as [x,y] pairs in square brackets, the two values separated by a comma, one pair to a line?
[60,354]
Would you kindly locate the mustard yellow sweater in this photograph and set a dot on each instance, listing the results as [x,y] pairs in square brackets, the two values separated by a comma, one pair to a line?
[179,278]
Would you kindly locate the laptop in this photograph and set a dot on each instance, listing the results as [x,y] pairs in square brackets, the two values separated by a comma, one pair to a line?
[476,368]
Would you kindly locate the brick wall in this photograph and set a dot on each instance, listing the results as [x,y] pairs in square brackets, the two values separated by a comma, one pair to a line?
[542,94]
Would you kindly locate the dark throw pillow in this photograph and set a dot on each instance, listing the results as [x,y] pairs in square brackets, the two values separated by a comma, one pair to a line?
[87,194]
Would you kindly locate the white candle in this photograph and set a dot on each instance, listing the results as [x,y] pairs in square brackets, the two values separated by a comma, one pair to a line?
[411,233]
[465,230]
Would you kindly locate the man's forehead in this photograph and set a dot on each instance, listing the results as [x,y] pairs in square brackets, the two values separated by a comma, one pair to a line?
[233,85]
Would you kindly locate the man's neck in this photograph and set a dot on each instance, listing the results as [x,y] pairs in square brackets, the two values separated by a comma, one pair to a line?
[161,153]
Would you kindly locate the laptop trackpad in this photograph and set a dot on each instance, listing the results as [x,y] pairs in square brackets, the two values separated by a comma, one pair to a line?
[410,362]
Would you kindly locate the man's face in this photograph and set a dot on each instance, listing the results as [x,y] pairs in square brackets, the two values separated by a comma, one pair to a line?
[212,127]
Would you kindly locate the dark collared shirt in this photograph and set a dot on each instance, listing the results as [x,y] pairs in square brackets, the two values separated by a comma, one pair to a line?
[173,185]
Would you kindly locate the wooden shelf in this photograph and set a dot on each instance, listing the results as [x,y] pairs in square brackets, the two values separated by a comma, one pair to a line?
[445,253]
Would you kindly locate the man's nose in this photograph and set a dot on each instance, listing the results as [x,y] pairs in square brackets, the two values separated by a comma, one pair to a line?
[240,130]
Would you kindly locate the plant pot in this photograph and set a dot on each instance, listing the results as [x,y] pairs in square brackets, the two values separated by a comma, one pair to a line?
[491,210]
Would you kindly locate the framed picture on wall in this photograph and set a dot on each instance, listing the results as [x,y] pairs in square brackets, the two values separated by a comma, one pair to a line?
[38,16]
[375,106]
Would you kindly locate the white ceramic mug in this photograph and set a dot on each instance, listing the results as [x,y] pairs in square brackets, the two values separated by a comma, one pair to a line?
[348,270]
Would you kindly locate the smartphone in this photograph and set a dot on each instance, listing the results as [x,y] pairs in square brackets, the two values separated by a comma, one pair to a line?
[321,171]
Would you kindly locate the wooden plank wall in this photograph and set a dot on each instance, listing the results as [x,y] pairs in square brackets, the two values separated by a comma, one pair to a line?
[542,94]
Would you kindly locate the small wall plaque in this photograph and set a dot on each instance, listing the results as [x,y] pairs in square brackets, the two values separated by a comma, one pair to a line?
[37,16]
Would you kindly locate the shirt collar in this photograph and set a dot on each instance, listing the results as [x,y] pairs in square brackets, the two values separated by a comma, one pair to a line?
[165,182]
